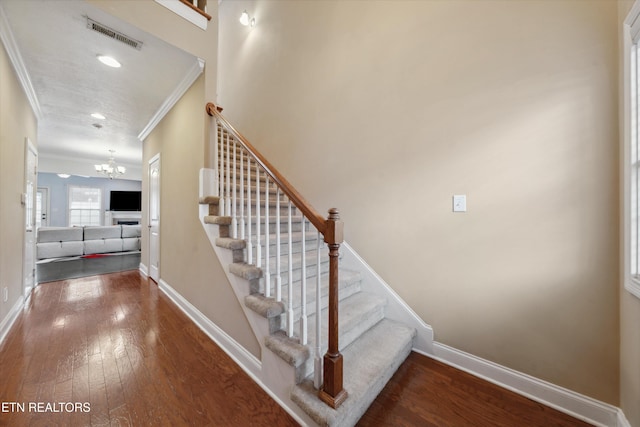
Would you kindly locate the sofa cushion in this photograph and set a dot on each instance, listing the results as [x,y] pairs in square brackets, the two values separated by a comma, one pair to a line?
[59,249]
[130,231]
[102,232]
[130,243]
[59,234]
[102,246]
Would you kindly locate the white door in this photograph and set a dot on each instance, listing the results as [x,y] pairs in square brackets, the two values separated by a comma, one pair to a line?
[30,185]
[154,218]
[42,207]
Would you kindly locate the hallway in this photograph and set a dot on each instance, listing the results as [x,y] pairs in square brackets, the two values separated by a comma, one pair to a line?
[123,354]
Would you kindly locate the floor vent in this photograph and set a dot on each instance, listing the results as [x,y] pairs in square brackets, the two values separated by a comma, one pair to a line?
[113,34]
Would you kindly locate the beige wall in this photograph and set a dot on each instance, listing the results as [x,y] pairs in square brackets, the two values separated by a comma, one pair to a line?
[187,260]
[17,122]
[629,314]
[387,109]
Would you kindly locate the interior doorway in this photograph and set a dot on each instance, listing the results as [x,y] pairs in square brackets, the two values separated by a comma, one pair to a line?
[42,207]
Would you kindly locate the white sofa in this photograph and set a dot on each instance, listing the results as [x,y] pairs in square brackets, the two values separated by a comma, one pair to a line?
[58,242]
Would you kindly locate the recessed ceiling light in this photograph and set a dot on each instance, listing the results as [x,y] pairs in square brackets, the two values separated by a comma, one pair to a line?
[64,175]
[107,60]
[98,116]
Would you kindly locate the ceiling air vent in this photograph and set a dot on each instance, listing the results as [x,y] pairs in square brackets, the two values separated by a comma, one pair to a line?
[113,34]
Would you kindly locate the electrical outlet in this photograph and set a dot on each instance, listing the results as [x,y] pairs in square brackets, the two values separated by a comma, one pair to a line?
[5,294]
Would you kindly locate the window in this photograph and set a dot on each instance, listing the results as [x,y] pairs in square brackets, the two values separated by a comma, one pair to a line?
[631,149]
[85,206]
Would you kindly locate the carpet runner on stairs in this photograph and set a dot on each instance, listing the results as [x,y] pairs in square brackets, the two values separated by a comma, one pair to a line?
[373,347]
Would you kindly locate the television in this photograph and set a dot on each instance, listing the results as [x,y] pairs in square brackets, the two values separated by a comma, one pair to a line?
[125,201]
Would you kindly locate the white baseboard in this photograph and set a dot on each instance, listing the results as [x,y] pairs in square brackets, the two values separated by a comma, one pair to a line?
[250,364]
[622,419]
[564,400]
[238,353]
[10,318]
[143,270]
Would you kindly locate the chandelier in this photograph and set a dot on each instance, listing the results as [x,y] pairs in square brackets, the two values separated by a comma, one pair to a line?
[110,168]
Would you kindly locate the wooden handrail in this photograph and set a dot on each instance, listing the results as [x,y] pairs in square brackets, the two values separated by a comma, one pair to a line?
[199,8]
[296,198]
[332,391]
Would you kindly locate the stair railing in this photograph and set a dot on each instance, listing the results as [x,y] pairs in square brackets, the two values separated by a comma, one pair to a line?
[236,161]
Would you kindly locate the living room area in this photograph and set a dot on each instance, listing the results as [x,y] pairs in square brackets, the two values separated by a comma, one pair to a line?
[86,225]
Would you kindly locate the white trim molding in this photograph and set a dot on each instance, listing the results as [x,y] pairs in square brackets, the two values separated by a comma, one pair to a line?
[174,97]
[630,31]
[622,420]
[143,270]
[10,318]
[185,12]
[230,346]
[9,42]
[567,401]
[249,363]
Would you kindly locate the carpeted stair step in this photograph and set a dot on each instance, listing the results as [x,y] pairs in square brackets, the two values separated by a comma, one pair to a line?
[249,271]
[311,241]
[273,207]
[369,363]
[268,307]
[358,313]
[296,262]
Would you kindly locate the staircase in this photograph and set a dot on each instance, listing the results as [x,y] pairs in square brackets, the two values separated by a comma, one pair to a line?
[281,271]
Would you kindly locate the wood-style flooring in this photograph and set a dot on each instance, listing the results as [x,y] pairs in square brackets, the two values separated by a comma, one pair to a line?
[122,354]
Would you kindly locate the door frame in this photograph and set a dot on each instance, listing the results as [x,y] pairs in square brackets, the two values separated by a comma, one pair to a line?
[154,250]
[45,207]
[29,224]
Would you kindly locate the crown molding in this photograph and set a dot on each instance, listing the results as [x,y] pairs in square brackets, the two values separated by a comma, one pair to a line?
[15,57]
[173,98]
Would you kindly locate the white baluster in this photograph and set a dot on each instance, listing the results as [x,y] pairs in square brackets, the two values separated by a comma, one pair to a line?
[216,167]
[227,211]
[234,200]
[267,243]
[317,360]
[249,242]
[221,202]
[278,249]
[258,246]
[303,299]
[290,259]
[242,190]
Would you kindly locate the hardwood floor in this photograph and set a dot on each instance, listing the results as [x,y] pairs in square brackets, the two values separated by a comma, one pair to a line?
[116,342]
[425,392]
[120,345]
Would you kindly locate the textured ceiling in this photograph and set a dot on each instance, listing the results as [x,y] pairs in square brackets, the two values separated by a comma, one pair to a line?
[60,55]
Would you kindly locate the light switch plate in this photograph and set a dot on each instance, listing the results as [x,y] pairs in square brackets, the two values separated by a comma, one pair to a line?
[459,203]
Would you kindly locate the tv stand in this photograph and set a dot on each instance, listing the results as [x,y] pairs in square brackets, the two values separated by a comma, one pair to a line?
[122,217]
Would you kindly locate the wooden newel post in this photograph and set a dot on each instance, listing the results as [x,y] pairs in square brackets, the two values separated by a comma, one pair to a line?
[332,392]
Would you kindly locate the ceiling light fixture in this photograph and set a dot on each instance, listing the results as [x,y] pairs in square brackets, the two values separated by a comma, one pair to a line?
[110,169]
[107,60]
[64,175]
[246,20]
[98,116]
